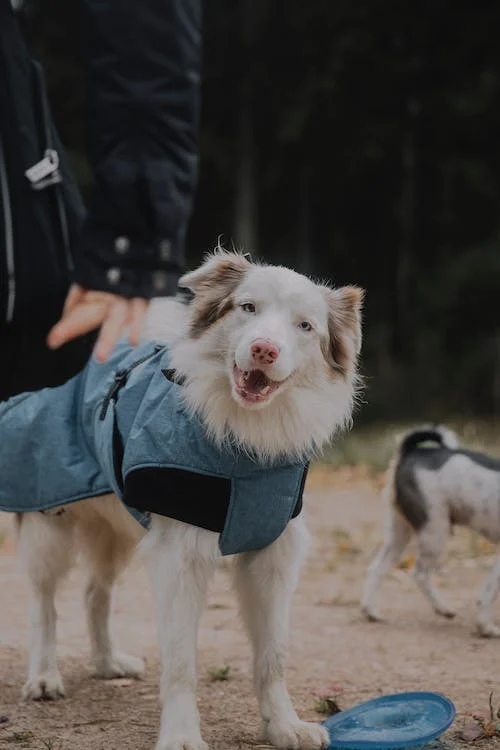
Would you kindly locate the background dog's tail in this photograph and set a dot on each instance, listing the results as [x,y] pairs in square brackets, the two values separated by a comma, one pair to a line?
[415,514]
[443,436]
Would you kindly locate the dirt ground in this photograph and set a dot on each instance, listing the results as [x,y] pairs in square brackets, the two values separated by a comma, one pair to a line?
[330,644]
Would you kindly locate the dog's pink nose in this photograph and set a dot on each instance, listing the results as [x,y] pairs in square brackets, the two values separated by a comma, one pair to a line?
[264,352]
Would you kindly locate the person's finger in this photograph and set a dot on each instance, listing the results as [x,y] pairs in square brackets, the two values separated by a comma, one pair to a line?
[116,319]
[139,308]
[82,319]
[73,298]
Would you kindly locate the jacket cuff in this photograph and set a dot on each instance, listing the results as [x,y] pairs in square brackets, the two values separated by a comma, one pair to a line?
[123,266]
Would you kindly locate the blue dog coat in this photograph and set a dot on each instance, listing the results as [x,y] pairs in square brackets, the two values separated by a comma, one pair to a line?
[123,426]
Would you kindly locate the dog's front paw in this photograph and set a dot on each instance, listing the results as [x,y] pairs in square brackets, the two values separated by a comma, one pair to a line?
[182,743]
[296,735]
[46,686]
[119,665]
[488,630]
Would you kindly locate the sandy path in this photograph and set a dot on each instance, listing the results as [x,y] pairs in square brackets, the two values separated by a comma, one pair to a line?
[330,642]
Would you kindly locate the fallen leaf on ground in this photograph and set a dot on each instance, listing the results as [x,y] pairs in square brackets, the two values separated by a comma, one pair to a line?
[348,547]
[472,731]
[327,706]
[326,700]
[482,726]
[407,562]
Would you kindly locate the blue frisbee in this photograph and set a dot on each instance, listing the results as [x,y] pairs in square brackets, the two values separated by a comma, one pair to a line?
[392,721]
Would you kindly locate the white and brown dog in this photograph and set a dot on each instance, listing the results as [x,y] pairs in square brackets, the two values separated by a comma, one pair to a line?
[268,359]
[432,485]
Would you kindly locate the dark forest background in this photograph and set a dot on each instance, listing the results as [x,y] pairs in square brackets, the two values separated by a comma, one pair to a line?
[356,141]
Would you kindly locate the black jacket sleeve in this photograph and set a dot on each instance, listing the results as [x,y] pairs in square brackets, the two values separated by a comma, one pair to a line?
[144,59]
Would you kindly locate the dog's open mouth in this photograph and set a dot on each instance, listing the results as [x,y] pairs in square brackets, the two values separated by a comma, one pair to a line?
[253,385]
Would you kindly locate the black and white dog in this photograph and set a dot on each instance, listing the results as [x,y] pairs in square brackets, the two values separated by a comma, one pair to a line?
[432,485]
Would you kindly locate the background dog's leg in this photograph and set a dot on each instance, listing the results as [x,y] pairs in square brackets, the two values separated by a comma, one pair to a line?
[265,581]
[106,555]
[485,602]
[181,561]
[45,546]
[397,536]
[431,544]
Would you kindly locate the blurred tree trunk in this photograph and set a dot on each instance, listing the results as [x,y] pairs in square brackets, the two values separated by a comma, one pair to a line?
[402,337]
[405,249]
[304,246]
[245,208]
[245,212]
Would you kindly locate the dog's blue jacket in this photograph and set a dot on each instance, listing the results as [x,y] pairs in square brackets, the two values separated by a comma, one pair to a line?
[122,426]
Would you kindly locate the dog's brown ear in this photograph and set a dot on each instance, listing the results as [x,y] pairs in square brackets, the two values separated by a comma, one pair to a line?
[213,284]
[219,267]
[344,327]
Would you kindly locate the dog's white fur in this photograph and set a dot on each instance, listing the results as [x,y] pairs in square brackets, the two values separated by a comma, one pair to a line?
[462,492]
[206,337]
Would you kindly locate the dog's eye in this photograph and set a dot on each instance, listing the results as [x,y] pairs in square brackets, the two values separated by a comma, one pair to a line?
[305,326]
[248,307]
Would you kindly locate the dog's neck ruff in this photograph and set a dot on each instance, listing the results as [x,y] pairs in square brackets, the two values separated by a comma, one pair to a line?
[123,426]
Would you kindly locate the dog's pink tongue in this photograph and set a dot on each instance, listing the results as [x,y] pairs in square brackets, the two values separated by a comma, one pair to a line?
[256,381]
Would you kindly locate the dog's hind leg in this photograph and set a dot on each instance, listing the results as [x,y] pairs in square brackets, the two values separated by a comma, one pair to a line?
[46,548]
[431,543]
[398,534]
[265,582]
[486,599]
[106,554]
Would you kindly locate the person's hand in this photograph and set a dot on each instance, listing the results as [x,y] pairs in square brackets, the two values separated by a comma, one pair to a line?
[85,310]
